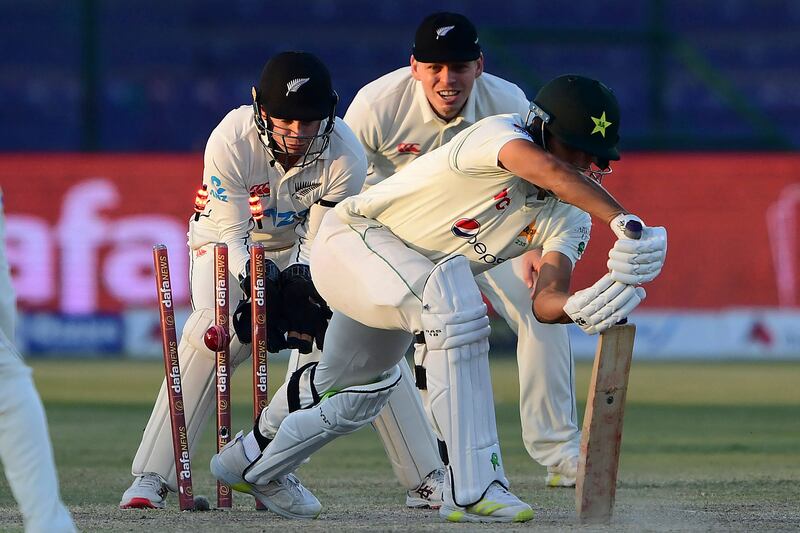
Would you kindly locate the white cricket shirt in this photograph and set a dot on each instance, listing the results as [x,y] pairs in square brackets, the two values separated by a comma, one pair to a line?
[458,200]
[237,163]
[395,123]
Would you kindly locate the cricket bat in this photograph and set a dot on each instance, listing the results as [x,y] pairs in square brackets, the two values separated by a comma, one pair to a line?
[601,439]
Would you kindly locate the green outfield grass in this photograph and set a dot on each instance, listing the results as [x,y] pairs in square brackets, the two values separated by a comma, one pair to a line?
[706,446]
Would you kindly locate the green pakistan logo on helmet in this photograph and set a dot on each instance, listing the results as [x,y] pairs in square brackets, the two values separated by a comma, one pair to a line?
[600,125]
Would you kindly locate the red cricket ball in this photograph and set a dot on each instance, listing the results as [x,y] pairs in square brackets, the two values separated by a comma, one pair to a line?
[216,338]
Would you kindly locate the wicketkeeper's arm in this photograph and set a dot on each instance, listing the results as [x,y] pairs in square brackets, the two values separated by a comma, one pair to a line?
[228,211]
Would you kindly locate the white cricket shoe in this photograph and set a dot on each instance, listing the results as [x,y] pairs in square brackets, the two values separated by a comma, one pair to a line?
[497,505]
[284,496]
[563,474]
[148,491]
[429,492]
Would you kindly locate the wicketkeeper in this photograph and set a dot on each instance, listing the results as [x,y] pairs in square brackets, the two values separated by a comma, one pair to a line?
[398,261]
[288,148]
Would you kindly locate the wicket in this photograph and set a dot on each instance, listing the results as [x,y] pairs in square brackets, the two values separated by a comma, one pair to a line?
[221,319]
[180,440]
[223,368]
[259,328]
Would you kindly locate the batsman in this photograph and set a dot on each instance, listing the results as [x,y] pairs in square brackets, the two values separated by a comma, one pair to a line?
[397,262]
[443,91]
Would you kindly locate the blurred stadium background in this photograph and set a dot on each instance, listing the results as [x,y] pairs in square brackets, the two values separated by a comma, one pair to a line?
[107,106]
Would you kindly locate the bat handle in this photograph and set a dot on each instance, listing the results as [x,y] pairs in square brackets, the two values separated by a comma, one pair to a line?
[633,229]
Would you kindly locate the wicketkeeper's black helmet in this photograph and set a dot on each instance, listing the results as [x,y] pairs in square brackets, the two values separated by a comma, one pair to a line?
[295,86]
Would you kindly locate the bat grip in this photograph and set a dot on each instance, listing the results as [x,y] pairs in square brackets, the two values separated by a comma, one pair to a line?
[633,230]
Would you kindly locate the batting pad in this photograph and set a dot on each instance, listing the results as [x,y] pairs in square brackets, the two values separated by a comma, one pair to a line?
[406,433]
[198,370]
[459,383]
[305,431]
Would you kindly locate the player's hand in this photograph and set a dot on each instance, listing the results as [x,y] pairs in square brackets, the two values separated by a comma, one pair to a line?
[530,267]
[597,308]
[306,312]
[633,260]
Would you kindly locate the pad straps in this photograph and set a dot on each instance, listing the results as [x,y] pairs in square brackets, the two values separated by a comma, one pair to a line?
[293,387]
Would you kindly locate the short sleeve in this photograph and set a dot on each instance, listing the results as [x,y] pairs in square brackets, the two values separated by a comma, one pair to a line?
[570,235]
[474,151]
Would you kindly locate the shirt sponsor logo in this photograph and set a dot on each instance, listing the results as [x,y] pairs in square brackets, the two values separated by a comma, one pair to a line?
[466,228]
[408,148]
[285,218]
[526,235]
[582,232]
[218,191]
[260,189]
[503,200]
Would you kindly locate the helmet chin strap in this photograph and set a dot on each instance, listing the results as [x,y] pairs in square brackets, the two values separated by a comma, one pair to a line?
[544,143]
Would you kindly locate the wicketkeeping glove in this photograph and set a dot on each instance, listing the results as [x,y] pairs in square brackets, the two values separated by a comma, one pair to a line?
[306,312]
[597,308]
[242,316]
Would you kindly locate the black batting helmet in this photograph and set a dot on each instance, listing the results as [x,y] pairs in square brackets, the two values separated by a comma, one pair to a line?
[582,113]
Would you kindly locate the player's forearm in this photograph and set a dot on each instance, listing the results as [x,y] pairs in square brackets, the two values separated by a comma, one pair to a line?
[531,163]
[584,193]
[548,307]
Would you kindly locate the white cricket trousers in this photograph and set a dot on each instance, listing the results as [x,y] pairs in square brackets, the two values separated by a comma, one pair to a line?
[373,283]
[25,449]
[547,410]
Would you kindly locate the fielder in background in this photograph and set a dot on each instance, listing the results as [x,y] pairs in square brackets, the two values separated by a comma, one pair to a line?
[25,449]
[287,148]
[398,261]
[410,112]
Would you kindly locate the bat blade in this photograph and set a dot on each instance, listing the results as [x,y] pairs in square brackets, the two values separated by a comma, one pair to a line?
[602,425]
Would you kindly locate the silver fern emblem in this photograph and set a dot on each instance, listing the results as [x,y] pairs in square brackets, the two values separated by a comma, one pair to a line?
[295,84]
[441,32]
[304,187]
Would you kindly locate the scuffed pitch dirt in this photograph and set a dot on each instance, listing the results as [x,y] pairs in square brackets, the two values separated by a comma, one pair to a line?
[690,506]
